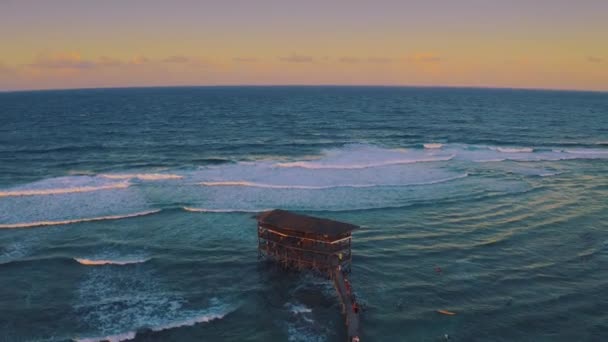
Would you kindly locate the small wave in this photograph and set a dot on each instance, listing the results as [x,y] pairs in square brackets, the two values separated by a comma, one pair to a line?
[143,176]
[112,338]
[433,145]
[207,210]
[271,186]
[100,262]
[130,335]
[491,160]
[515,149]
[298,308]
[549,174]
[323,187]
[60,191]
[190,322]
[315,165]
[589,151]
[62,222]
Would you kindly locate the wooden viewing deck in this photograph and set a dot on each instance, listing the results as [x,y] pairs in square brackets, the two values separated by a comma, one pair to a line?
[309,243]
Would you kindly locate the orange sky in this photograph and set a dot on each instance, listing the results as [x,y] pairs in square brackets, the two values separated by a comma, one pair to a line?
[531,44]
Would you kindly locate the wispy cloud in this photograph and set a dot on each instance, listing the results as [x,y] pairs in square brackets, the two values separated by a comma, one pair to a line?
[176,59]
[349,60]
[593,59]
[5,69]
[61,61]
[354,60]
[245,59]
[294,58]
[381,60]
[424,58]
[139,60]
[105,61]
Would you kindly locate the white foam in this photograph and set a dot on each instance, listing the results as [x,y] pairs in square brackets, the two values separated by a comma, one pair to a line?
[72,221]
[99,262]
[274,186]
[112,338]
[143,176]
[129,335]
[191,321]
[587,151]
[317,165]
[59,191]
[549,174]
[260,185]
[322,187]
[298,308]
[433,145]
[208,210]
[515,149]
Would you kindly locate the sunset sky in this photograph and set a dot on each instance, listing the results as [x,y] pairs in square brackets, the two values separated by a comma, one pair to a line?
[560,44]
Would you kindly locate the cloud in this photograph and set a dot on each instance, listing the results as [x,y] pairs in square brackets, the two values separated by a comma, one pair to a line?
[139,60]
[6,70]
[350,60]
[297,59]
[353,60]
[424,58]
[245,59]
[104,61]
[176,59]
[593,59]
[379,60]
[64,61]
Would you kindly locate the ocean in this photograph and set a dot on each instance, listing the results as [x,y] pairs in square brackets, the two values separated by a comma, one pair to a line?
[126,214]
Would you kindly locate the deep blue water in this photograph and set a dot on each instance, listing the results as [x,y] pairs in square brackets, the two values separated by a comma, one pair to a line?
[127,212]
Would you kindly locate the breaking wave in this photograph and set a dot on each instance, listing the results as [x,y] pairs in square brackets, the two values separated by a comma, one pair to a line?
[298,308]
[130,335]
[322,187]
[317,165]
[60,191]
[72,221]
[142,176]
[515,149]
[100,262]
[208,210]
[432,145]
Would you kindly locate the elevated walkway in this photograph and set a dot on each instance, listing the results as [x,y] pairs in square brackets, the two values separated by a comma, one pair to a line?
[350,309]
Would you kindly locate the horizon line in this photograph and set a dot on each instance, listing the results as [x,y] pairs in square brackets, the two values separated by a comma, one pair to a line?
[308,86]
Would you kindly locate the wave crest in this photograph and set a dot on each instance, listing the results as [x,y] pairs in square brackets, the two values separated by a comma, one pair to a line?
[100,262]
[208,210]
[72,221]
[323,187]
[515,149]
[60,191]
[433,145]
[130,335]
[317,165]
[142,176]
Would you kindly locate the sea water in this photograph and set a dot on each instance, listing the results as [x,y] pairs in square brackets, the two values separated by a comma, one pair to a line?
[126,214]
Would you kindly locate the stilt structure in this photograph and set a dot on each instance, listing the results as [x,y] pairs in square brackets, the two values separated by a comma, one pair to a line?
[309,243]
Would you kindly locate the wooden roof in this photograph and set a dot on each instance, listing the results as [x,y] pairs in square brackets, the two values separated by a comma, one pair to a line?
[283,219]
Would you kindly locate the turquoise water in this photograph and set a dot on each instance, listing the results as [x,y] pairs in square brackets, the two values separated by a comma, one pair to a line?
[126,213]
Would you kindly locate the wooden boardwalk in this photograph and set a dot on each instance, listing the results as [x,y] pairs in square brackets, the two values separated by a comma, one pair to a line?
[352,317]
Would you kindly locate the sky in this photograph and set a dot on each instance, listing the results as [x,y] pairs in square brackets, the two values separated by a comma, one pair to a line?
[555,44]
